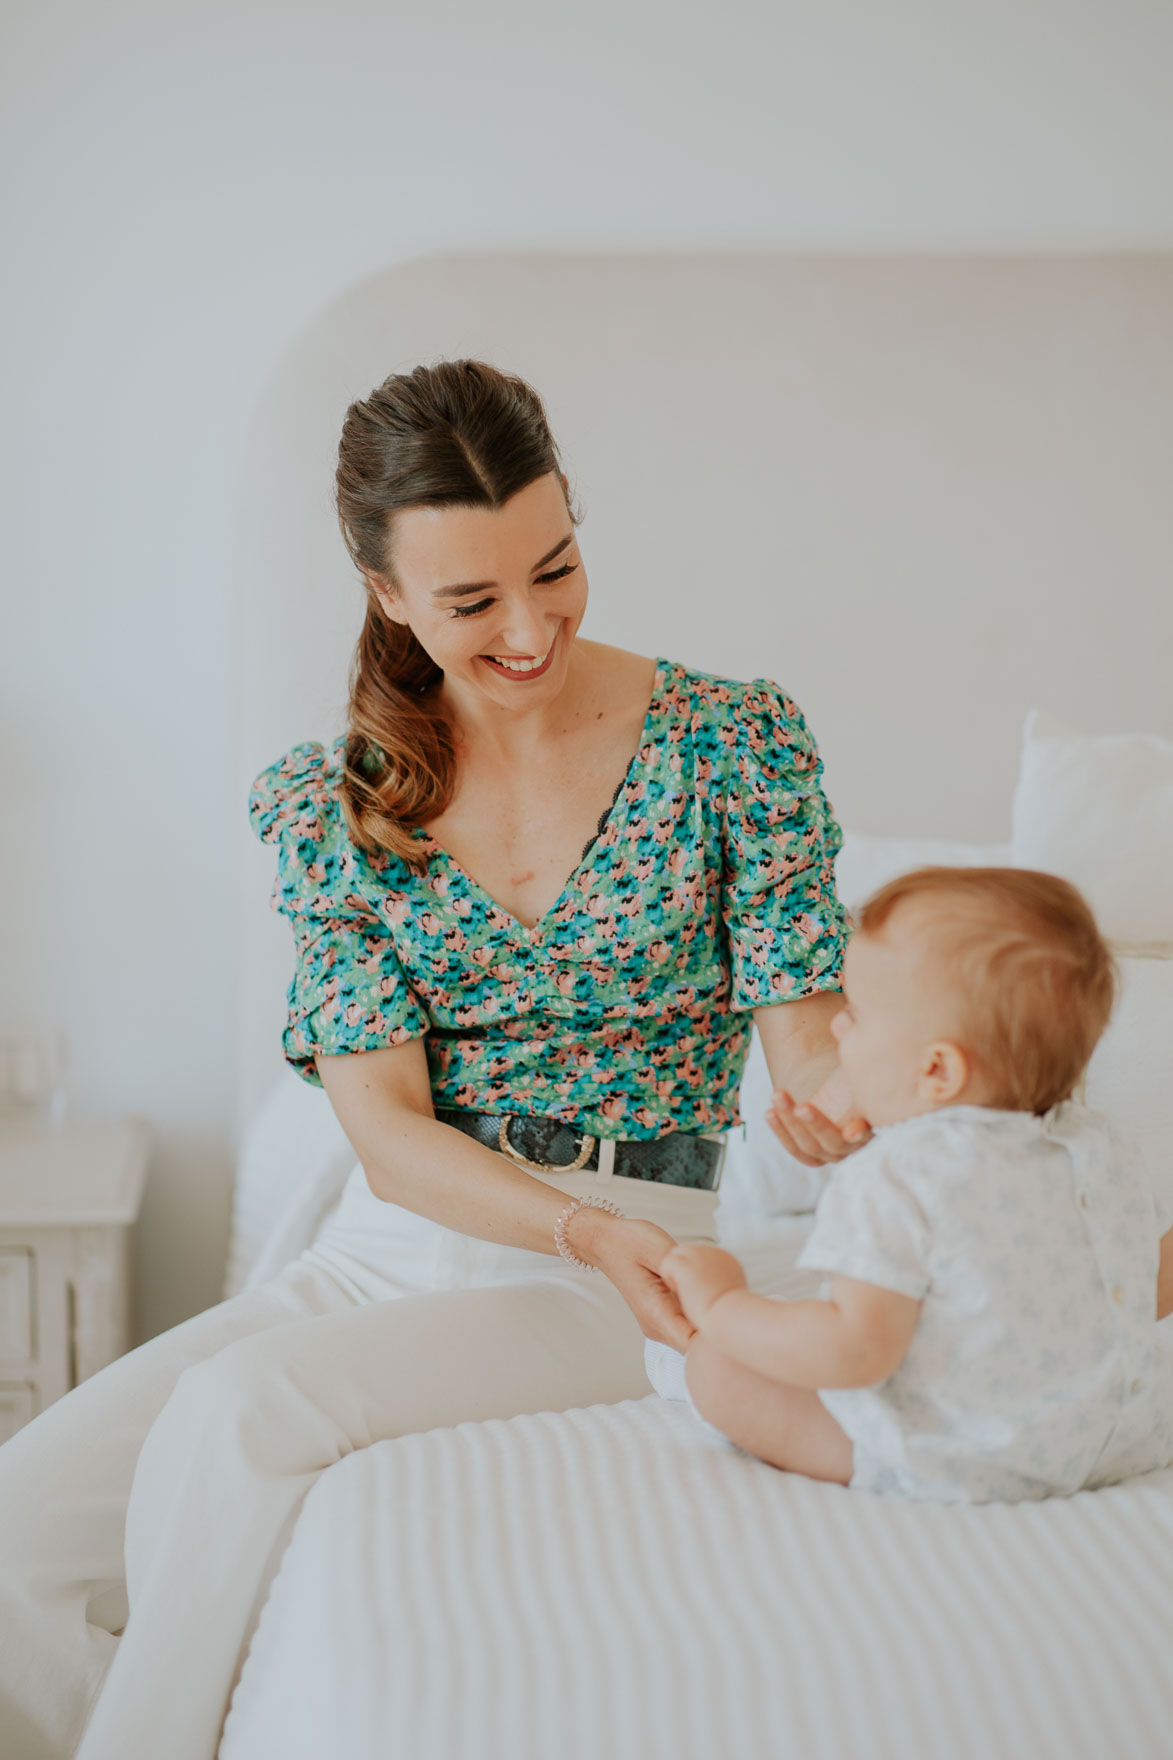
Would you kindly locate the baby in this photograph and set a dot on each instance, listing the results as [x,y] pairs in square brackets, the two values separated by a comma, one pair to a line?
[996,1256]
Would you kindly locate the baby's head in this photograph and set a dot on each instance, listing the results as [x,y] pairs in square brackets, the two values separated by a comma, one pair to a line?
[971,986]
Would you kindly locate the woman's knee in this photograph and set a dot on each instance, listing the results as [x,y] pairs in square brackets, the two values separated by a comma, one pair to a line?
[250,1397]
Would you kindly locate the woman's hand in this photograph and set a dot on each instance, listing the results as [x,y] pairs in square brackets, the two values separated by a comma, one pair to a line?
[825,1129]
[700,1274]
[631,1253]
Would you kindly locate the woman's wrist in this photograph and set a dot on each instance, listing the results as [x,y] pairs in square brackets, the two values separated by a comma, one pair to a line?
[587,1231]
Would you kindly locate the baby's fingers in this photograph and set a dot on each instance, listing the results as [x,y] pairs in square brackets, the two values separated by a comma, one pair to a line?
[668,1322]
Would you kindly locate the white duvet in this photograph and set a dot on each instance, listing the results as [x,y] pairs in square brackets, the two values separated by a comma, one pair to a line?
[610,1583]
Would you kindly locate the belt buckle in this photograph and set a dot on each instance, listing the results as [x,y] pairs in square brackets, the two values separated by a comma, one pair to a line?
[520,1160]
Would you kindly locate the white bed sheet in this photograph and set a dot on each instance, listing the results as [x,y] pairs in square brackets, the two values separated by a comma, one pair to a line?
[611,1583]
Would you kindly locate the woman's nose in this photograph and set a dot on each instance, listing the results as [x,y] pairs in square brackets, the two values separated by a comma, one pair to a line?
[528,631]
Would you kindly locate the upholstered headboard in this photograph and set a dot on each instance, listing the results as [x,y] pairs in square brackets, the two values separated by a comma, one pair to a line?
[923,493]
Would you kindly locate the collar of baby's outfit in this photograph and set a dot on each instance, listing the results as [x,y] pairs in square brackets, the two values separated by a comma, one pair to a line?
[990,1116]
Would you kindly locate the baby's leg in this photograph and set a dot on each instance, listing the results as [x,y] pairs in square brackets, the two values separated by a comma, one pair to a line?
[664,1368]
[787,1426]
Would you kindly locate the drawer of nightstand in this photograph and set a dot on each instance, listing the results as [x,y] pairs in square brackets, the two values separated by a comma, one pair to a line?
[16,1407]
[16,1305]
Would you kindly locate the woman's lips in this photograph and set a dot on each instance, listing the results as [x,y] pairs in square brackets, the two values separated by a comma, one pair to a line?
[520,677]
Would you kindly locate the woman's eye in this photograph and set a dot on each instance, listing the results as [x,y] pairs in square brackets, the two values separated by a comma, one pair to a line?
[557,574]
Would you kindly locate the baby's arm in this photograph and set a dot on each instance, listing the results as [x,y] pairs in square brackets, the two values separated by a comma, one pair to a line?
[1164,1277]
[754,1364]
[856,1339]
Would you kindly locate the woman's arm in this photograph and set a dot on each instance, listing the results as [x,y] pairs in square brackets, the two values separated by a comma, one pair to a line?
[383,1100]
[856,1339]
[812,1113]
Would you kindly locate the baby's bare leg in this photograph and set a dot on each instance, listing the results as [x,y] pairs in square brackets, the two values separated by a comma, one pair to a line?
[788,1426]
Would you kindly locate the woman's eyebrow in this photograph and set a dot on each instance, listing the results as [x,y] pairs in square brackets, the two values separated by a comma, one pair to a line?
[480,586]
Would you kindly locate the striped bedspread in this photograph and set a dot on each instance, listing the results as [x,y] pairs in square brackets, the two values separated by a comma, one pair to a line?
[611,1584]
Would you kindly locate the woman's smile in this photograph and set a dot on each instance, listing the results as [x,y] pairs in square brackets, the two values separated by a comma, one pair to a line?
[520,666]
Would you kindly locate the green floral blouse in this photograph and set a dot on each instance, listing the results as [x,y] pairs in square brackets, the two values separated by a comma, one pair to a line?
[708,892]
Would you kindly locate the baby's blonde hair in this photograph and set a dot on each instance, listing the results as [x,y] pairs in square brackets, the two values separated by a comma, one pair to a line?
[1037,975]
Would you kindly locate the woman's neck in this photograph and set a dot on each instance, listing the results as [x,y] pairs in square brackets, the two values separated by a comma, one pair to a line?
[513,737]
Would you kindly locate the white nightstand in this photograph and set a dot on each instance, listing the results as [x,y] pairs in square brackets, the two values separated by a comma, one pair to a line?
[69,1196]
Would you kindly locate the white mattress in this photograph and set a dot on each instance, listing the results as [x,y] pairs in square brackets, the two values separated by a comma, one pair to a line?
[609,1583]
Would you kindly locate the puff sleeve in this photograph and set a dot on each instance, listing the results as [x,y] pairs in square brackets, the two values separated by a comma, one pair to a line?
[869,1226]
[349,991]
[787,929]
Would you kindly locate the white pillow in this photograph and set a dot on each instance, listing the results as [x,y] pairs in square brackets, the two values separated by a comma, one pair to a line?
[1129,1075]
[293,1163]
[867,862]
[759,1178]
[1099,811]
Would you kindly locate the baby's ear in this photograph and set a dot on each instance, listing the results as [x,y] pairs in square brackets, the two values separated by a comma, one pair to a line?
[945,1072]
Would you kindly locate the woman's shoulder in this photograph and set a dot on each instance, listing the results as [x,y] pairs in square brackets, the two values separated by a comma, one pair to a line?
[296,804]
[755,717]
[299,793]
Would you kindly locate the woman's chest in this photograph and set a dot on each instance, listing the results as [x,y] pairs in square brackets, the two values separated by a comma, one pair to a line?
[520,852]
[521,837]
[639,902]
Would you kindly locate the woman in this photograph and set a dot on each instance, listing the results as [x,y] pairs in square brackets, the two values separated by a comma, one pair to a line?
[515,1055]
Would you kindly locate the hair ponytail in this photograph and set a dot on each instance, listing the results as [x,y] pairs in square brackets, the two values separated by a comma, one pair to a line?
[459,434]
[399,762]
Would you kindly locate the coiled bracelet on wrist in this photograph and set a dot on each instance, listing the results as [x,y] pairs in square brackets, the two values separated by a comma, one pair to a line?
[560,1240]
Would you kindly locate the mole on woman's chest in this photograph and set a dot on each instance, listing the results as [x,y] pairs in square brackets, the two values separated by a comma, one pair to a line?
[521,879]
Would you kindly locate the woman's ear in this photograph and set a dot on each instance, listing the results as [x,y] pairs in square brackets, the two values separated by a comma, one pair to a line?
[389,601]
[945,1072]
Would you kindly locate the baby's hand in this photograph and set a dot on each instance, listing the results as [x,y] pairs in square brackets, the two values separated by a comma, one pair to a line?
[699,1275]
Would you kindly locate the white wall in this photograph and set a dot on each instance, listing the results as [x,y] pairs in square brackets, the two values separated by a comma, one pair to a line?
[925,493]
[184,186]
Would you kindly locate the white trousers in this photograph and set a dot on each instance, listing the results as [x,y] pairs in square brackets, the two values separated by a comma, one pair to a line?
[189,1458]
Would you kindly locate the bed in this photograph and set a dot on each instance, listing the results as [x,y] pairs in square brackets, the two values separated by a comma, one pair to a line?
[507,1590]
[487,1592]
[748,1613]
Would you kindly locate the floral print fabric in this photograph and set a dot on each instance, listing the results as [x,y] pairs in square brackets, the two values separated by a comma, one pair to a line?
[708,892]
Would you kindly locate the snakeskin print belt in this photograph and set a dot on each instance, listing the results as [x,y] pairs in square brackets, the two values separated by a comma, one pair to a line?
[546,1145]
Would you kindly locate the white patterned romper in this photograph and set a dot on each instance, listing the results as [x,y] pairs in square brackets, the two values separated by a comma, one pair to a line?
[1037,1366]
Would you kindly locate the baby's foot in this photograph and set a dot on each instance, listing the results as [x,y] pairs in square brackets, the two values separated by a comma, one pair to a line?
[664,1368]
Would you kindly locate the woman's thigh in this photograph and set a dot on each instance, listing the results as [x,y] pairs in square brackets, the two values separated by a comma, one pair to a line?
[66,1477]
[247,1431]
[221,1476]
[65,1483]
[391,1368]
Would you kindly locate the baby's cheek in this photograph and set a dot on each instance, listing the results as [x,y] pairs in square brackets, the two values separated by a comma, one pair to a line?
[865,1074]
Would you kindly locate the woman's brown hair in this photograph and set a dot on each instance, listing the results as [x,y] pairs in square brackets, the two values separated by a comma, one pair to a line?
[457,434]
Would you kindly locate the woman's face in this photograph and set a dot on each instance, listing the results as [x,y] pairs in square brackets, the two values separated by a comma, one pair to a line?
[493,596]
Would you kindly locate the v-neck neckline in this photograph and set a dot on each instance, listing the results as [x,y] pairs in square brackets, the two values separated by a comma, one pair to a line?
[436,848]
